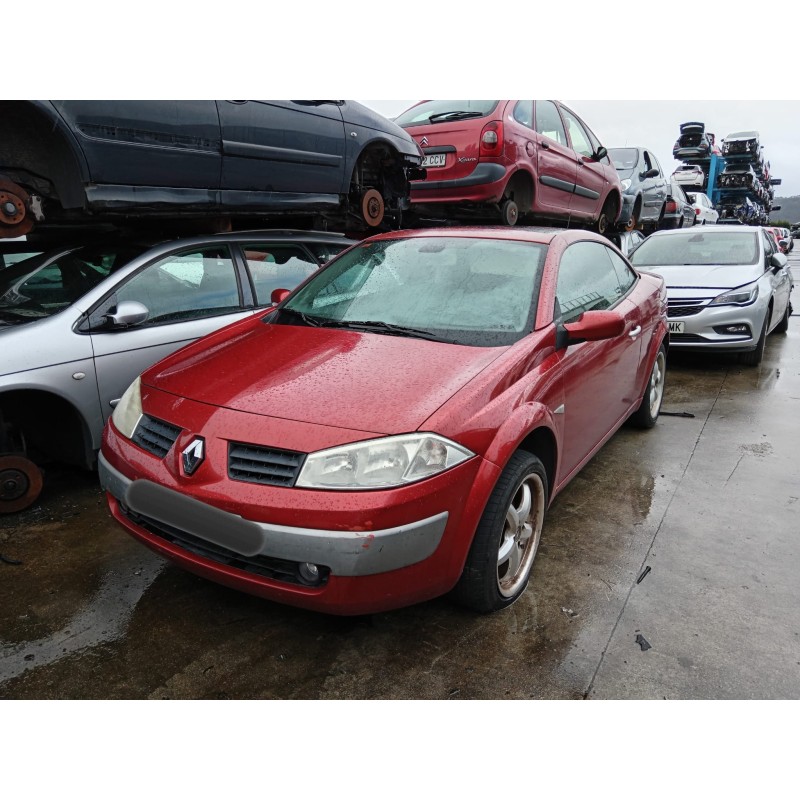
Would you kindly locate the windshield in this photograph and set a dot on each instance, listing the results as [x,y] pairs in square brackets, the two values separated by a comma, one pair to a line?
[46,284]
[477,292]
[624,157]
[701,249]
[434,111]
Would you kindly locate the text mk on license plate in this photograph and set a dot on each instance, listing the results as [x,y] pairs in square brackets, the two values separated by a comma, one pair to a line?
[676,327]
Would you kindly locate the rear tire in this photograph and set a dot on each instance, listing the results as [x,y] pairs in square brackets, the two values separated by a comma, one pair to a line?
[501,557]
[646,415]
[509,213]
[607,217]
[783,325]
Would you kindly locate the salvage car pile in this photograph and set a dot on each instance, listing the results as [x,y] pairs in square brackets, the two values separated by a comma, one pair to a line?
[355,426]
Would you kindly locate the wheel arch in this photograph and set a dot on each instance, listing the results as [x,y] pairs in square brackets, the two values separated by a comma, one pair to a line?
[520,187]
[53,427]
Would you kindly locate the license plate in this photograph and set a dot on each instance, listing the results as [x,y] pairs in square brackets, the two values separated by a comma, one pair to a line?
[676,327]
[434,160]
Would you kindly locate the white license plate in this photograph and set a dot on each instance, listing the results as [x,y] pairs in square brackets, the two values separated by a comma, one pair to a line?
[676,327]
[434,160]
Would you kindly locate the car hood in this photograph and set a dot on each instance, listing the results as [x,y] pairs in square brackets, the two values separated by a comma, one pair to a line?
[348,379]
[706,277]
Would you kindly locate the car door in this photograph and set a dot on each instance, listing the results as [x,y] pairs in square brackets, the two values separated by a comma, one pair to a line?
[590,179]
[169,143]
[285,146]
[654,189]
[780,281]
[188,294]
[599,378]
[555,161]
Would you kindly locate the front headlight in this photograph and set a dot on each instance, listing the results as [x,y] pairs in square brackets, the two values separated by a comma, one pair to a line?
[626,184]
[738,297]
[381,463]
[129,409]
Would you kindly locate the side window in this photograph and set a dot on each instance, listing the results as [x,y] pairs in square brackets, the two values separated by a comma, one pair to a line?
[625,275]
[648,164]
[577,135]
[656,165]
[189,285]
[768,248]
[325,252]
[523,112]
[587,281]
[277,267]
[548,122]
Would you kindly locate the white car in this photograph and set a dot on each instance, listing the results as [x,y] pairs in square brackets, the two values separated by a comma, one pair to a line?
[688,175]
[705,213]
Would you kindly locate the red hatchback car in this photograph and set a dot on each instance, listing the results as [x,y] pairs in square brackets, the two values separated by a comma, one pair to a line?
[510,158]
[397,426]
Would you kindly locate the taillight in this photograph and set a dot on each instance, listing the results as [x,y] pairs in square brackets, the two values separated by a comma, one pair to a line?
[671,206]
[491,143]
[697,211]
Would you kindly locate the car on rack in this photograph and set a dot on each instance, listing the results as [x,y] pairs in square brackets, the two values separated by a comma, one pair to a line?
[744,144]
[693,142]
[398,425]
[690,176]
[739,176]
[704,211]
[678,212]
[627,241]
[506,160]
[69,162]
[644,187]
[79,323]
[728,288]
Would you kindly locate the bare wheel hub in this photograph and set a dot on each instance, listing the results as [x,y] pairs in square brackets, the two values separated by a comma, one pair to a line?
[20,483]
[14,217]
[372,207]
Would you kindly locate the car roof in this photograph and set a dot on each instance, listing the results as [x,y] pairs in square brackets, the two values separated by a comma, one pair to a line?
[538,235]
[710,230]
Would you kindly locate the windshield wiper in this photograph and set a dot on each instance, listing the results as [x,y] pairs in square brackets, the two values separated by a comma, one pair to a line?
[314,322]
[377,326]
[446,116]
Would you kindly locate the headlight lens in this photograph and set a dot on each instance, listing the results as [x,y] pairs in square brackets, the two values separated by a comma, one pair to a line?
[381,463]
[129,409]
[626,184]
[738,297]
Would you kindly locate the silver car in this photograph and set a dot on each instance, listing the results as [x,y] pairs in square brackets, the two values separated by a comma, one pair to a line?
[727,287]
[78,324]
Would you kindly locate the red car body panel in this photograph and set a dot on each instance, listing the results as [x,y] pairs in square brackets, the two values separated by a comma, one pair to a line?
[524,153]
[309,389]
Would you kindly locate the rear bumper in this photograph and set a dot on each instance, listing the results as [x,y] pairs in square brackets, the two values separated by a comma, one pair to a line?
[485,184]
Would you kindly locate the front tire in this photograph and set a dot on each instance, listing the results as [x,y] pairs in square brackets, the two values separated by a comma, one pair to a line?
[501,557]
[646,415]
[753,358]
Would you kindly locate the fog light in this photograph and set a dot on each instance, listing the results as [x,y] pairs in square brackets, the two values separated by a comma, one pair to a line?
[309,573]
[733,330]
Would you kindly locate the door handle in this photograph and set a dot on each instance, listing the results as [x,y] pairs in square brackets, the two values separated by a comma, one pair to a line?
[635,332]
[545,145]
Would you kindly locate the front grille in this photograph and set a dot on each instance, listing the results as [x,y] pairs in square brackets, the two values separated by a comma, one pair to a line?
[155,435]
[736,148]
[254,463]
[683,311]
[277,569]
[677,338]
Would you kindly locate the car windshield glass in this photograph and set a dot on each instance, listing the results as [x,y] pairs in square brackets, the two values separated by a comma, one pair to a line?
[477,292]
[444,111]
[702,249]
[46,284]
[624,157]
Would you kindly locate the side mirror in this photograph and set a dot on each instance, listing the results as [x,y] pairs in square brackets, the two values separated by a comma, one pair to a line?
[279,295]
[600,154]
[776,208]
[651,173]
[593,326]
[129,313]
[778,261]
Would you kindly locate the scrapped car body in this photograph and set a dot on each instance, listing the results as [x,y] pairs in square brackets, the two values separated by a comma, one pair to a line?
[704,210]
[77,324]
[743,144]
[398,425]
[694,142]
[510,159]
[690,176]
[738,176]
[678,212]
[78,161]
[728,288]
[644,187]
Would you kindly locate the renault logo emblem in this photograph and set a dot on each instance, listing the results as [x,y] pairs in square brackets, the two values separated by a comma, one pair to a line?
[193,455]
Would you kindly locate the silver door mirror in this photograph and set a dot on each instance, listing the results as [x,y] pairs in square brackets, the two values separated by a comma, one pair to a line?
[129,313]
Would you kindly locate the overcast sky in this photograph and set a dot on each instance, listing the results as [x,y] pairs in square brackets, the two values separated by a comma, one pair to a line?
[655,125]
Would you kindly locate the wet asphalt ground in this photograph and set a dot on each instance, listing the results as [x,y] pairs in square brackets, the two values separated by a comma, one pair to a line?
[709,503]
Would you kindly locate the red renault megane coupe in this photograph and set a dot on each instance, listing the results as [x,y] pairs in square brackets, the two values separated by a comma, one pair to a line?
[397,426]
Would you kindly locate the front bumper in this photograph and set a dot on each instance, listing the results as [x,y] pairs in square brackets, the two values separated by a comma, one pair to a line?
[345,553]
[699,330]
